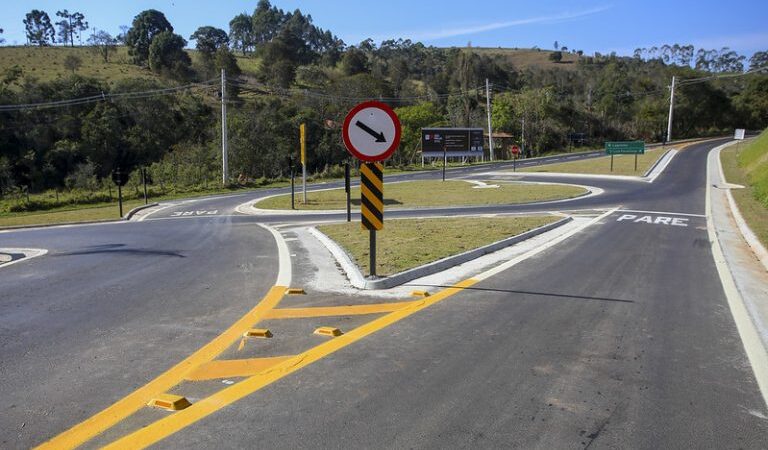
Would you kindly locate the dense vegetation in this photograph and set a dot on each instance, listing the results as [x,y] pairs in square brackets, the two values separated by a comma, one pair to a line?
[156,104]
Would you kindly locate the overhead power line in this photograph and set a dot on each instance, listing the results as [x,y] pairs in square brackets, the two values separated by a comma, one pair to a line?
[104,97]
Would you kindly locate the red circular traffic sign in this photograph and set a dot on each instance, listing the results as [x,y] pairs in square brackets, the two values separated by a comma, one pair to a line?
[515,149]
[371,131]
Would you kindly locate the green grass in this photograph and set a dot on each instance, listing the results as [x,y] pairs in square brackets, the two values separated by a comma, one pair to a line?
[75,213]
[407,243]
[622,165]
[429,193]
[47,63]
[525,58]
[747,164]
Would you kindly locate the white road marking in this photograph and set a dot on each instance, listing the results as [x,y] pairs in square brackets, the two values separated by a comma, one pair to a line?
[284,271]
[28,253]
[753,344]
[194,213]
[666,213]
[502,267]
[658,220]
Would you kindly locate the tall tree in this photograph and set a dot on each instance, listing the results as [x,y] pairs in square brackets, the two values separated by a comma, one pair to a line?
[209,39]
[167,55]
[146,25]
[71,24]
[38,26]
[1,39]
[241,32]
[759,60]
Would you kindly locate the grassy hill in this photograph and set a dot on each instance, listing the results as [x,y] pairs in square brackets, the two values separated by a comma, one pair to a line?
[47,63]
[524,58]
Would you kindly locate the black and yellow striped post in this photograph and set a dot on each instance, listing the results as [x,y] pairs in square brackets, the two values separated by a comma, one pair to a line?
[372,204]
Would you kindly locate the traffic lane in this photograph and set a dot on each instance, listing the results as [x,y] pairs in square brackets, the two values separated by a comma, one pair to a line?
[227,204]
[682,186]
[620,335]
[81,328]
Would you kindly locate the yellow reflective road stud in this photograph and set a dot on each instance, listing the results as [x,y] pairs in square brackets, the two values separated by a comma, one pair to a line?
[372,196]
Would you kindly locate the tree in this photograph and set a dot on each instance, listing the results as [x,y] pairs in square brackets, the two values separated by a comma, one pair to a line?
[556,56]
[209,39]
[71,24]
[241,32]
[1,39]
[557,46]
[354,61]
[72,62]
[267,21]
[167,55]
[103,44]
[758,61]
[38,27]
[146,25]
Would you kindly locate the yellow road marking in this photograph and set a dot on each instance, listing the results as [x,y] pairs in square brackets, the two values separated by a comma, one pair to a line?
[349,310]
[163,428]
[234,368]
[123,408]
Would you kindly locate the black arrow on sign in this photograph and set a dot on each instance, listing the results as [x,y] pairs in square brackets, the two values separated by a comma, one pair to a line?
[379,136]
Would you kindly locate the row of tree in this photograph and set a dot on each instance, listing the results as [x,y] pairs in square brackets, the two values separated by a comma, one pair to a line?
[307,75]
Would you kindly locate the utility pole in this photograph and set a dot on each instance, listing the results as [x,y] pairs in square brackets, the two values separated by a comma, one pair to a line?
[488,109]
[671,109]
[522,136]
[224,143]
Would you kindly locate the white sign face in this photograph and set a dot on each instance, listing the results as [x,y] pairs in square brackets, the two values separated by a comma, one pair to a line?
[739,134]
[371,131]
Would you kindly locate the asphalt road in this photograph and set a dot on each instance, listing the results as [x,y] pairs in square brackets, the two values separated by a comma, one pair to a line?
[619,337]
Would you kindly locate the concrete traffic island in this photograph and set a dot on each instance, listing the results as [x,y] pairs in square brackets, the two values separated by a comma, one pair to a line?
[354,274]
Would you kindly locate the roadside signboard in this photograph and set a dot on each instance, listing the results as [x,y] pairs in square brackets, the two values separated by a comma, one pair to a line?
[455,142]
[739,134]
[625,148]
[371,131]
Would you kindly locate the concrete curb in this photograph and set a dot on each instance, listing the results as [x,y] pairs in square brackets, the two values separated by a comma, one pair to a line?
[754,243]
[133,212]
[28,253]
[358,281]
[660,166]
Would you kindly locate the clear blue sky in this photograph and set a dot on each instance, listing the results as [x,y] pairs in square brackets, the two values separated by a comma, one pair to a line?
[593,25]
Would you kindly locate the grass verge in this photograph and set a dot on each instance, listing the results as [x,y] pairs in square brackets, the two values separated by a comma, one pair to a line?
[622,165]
[407,243]
[431,193]
[108,210]
[747,165]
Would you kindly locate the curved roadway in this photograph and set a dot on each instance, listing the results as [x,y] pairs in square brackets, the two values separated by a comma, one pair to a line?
[619,337]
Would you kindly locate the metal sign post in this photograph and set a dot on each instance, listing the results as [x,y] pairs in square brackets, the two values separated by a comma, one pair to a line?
[371,132]
[303,139]
[347,189]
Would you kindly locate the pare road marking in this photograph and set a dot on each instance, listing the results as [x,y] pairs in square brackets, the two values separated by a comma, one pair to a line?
[194,213]
[654,220]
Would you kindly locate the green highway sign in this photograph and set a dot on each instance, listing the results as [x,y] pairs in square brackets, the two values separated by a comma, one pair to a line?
[625,148]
